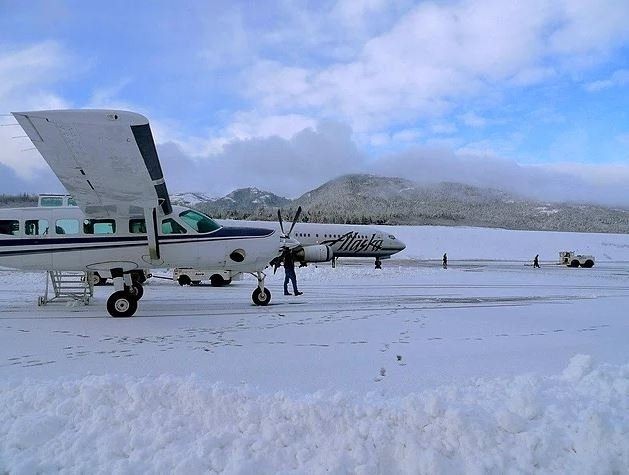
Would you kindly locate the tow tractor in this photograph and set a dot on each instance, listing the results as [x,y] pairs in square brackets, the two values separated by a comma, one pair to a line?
[570,259]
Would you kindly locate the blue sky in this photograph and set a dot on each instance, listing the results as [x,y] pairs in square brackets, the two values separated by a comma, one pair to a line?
[529,96]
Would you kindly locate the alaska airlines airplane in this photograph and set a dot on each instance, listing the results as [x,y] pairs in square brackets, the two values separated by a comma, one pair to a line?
[328,242]
[124,221]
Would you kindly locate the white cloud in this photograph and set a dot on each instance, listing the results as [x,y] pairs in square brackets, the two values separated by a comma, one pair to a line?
[438,54]
[287,166]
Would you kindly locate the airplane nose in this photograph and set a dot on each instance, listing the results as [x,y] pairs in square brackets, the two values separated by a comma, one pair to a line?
[400,245]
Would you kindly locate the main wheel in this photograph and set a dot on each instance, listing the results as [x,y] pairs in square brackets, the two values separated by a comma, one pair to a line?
[574,263]
[588,264]
[137,291]
[184,280]
[261,298]
[121,304]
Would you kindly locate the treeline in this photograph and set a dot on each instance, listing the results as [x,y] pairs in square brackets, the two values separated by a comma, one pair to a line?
[17,201]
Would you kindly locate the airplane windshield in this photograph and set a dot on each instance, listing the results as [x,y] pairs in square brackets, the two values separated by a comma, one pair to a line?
[199,222]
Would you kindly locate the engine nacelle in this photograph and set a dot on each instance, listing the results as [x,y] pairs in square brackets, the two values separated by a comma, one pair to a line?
[315,253]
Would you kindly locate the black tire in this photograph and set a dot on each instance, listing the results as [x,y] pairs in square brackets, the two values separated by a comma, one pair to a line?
[121,305]
[260,298]
[138,291]
[217,280]
[574,263]
[588,264]
[184,280]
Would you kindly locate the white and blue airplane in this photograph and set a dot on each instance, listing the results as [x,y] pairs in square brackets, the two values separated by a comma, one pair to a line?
[124,221]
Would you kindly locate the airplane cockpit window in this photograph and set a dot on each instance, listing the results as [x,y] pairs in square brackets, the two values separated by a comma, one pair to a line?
[170,226]
[199,222]
[36,227]
[137,226]
[67,226]
[9,226]
[391,236]
[99,226]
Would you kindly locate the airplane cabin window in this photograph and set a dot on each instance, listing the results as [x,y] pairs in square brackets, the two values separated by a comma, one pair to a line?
[170,226]
[99,226]
[67,226]
[10,227]
[137,226]
[51,201]
[199,222]
[36,227]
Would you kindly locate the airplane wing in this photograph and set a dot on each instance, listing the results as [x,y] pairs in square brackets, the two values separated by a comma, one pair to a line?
[105,159]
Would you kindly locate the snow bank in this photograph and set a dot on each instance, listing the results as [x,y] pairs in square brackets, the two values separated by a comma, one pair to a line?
[576,422]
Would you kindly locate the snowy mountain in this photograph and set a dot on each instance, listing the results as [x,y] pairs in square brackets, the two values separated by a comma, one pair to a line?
[244,202]
[367,199]
[374,199]
[191,198]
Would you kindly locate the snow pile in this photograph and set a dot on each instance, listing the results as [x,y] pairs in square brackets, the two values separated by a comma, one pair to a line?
[577,422]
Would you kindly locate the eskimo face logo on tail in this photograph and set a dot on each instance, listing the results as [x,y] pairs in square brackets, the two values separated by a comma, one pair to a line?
[352,242]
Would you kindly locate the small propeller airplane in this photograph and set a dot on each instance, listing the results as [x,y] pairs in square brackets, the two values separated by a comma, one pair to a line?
[124,221]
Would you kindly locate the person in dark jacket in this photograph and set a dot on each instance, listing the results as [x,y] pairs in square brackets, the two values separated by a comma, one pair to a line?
[289,272]
[445,261]
[536,262]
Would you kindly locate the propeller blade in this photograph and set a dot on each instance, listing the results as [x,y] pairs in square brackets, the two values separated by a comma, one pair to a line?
[279,218]
[295,219]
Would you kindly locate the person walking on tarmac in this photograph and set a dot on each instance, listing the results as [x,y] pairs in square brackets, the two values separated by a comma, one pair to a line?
[536,262]
[445,260]
[289,272]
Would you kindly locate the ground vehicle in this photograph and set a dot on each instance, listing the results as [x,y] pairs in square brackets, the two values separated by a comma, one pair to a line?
[570,259]
[189,276]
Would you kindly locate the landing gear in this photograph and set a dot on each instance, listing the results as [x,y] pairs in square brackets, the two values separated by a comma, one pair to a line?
[136,290]
[378,263]
[261,295]
[121,304]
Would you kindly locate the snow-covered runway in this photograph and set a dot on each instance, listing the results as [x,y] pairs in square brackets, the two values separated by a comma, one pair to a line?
[420,326]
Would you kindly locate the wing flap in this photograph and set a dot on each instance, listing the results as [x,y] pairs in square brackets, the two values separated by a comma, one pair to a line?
[106,160]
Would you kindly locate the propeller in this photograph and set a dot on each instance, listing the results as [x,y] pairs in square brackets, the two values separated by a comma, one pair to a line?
[277,261]
[292,226]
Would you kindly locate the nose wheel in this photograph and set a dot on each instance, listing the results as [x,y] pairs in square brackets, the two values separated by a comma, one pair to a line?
[261,297]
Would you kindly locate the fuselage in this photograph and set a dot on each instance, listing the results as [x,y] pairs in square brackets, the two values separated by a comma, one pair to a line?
[61,238]
[345,240]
